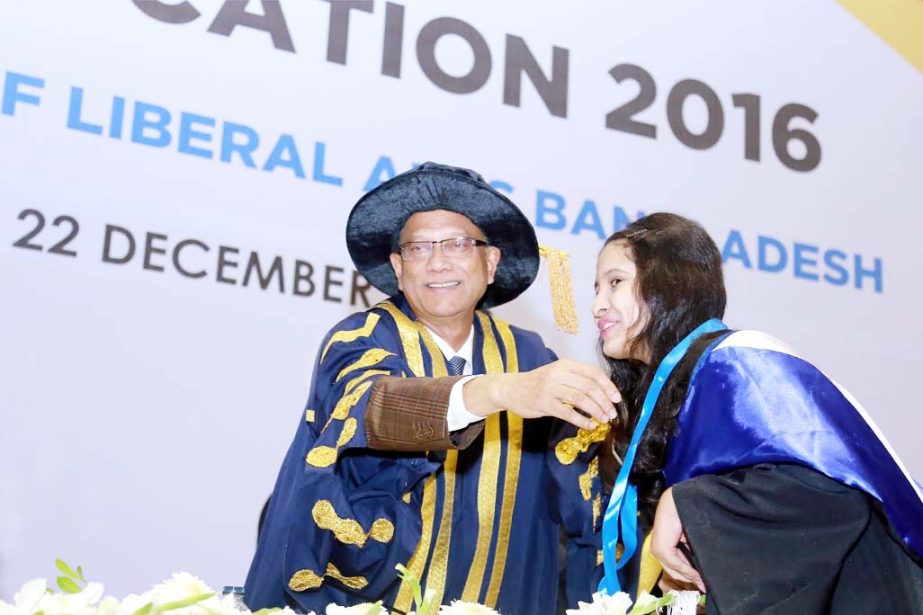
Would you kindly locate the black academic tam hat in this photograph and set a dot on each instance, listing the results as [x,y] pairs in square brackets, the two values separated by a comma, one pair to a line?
[384,210]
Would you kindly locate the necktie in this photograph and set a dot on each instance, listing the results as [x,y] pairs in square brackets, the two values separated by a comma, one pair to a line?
[455,366]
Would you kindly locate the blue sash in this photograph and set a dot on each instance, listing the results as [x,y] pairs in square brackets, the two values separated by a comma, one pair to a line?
[622,510]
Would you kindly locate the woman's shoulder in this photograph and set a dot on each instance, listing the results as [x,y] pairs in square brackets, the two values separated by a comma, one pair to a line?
[758,340]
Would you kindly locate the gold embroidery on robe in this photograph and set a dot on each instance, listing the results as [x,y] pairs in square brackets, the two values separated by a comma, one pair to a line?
[341,410]
[353,582]
[413,353]
[567,449]
[586,479]
[321,456]
[349,430]
[349,336]
[382,530]
[304,580]
[410,338]
[349,531]
[510,483]
[363,377]
[370,357]
[418,559]
[490,470]
[597,508]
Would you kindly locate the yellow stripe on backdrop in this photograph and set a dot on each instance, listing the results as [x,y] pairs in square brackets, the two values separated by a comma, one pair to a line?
[898,22]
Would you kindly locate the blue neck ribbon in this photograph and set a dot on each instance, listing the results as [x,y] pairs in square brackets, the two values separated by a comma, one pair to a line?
[622,510]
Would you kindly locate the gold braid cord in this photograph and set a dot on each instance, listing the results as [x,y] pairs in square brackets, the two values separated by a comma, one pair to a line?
[562,289]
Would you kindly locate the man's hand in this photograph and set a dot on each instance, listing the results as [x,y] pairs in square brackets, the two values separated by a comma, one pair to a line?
[666,537]
[557,389]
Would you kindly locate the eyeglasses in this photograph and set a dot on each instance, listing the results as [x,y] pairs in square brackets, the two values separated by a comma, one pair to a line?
[453,247]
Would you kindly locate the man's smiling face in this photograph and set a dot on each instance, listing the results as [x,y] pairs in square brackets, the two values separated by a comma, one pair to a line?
[442,290]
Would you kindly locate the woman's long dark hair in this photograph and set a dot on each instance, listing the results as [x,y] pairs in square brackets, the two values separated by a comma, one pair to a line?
[680,286]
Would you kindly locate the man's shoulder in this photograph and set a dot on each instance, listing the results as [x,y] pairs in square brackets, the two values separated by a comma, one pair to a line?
[526,340]
[372,325]
[368,319]
[529,335]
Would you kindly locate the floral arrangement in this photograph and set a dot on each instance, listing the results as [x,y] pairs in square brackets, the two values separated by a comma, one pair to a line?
[675,603]
[185,594]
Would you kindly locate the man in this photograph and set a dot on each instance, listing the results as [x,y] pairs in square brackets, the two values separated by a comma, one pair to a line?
[400,458]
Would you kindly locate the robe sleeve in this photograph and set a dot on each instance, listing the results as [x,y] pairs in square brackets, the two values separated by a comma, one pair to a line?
[770,537]
[349,514]
[409,414]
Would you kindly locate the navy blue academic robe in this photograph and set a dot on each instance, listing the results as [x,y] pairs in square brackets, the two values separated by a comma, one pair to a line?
[480,524]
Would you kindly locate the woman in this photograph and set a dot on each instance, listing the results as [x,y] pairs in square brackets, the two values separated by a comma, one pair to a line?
[775,493]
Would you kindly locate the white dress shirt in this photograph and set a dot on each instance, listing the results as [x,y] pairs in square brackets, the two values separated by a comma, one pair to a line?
[457,415]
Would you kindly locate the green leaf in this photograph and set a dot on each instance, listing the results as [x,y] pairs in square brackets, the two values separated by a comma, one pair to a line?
[67,570]
[144,610]
[68,585]
[178,604]
[668,600]
[267,611]
[404,573]
[430,606]
[646,603]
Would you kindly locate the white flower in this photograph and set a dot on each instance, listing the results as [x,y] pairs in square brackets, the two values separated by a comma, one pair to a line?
[27,600]
[79,603]
[109,606]
[228,604]
[184,586]
[466,608]
[178,587]
[366,608]
[132,602]
[603,604]
[686,602]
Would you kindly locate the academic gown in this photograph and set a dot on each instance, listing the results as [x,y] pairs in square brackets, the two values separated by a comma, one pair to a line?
[790,498]
[479,524]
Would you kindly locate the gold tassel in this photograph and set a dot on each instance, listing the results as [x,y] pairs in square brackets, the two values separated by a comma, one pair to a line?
[562,290]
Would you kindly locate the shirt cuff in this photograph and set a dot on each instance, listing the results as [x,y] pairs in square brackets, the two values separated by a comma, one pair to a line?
[457,416]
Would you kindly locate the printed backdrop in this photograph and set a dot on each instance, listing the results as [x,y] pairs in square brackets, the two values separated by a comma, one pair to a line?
[177,176]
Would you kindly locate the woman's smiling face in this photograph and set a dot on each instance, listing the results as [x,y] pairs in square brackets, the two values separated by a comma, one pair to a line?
[618,309]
